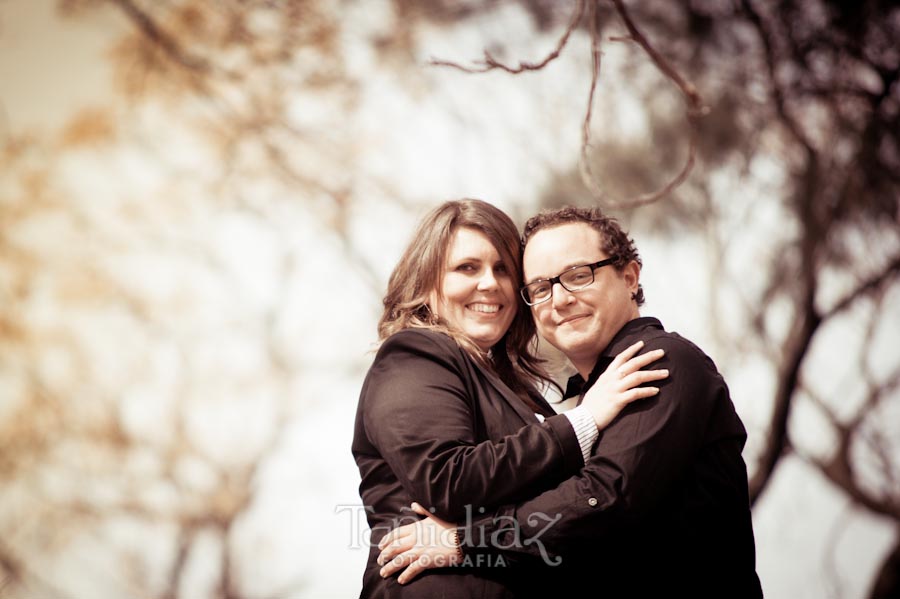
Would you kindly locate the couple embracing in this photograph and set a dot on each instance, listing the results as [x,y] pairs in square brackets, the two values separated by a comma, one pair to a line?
[475,487]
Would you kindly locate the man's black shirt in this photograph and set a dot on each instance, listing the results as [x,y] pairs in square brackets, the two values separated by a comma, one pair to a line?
[662,506]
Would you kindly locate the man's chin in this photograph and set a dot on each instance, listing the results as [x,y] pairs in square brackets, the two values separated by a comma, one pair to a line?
[571,343]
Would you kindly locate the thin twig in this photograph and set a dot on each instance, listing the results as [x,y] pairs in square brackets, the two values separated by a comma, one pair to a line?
[587,175]
[890,271]
[695,109]
[839,468]
[490,63]
[768,42]
[695,106]
[830,561]
[156,34]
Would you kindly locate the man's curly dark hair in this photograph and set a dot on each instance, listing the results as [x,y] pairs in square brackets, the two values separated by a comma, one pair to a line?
[614,241]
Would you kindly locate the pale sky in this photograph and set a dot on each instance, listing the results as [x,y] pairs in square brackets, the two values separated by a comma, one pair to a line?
[50,69]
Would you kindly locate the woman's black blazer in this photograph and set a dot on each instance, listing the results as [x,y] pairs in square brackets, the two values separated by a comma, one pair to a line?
[433,426]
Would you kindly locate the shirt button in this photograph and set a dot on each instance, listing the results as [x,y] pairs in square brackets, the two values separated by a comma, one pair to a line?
[592,502]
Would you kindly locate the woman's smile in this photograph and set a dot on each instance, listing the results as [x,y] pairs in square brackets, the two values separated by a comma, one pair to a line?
[483,308]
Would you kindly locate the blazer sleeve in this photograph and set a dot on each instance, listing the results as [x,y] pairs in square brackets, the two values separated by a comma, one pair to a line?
[420,414]
[648,446]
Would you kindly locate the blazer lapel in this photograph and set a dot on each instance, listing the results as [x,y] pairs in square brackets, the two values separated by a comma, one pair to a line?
[539,399]
[520,407]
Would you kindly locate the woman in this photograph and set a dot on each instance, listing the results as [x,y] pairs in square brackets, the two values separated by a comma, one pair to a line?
[449,415]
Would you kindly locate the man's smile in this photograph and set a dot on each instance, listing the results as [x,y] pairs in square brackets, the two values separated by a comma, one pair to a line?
[571,319]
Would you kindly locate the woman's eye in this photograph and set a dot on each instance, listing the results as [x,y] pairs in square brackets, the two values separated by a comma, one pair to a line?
[465,267]
[501,269]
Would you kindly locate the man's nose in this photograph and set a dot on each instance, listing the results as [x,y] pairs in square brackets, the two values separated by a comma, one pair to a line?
[560,295]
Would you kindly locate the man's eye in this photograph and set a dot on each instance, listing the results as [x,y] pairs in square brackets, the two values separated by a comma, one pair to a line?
[540,290]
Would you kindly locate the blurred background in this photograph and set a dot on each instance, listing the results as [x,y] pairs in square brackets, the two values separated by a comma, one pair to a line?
[201,202]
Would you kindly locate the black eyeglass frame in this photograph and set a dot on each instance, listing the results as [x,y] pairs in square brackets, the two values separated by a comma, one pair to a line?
[523,291]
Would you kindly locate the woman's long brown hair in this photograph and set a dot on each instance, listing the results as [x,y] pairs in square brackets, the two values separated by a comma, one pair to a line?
[420,271]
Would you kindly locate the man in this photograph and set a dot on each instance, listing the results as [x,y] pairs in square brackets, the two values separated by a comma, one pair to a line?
[661,508]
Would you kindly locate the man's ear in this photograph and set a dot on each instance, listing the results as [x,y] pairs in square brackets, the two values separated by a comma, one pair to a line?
[632,275]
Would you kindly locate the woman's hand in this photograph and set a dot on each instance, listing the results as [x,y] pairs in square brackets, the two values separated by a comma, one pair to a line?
[618,385]
[428,543]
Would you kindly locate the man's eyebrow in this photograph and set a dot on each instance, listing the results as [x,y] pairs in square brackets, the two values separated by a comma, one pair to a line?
[565,268]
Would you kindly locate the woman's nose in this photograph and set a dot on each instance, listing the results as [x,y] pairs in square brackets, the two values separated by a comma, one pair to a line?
[487,280]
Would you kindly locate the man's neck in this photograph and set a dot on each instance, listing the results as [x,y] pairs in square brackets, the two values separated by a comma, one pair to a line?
[585,366]
[585,369]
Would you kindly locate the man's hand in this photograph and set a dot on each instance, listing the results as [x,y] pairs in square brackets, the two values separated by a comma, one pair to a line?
[428,543]
[618,385]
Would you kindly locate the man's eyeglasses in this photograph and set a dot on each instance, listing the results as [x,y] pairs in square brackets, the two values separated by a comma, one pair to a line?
[577,277]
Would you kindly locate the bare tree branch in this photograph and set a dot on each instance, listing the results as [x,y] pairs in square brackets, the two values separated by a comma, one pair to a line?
[796,347]
[768,42]
[695,109]
[871,284]
[798,342]
[830,571]
[695,105]
[185,538]
[839,468]
[10,570]
[840,472]
[17,573]
[153,32]
[584,165]
[490,63]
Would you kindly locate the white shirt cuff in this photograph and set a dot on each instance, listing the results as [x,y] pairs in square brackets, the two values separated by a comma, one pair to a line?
[585,429]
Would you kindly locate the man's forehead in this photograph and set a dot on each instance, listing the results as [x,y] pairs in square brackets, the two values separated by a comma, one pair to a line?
[551,251]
